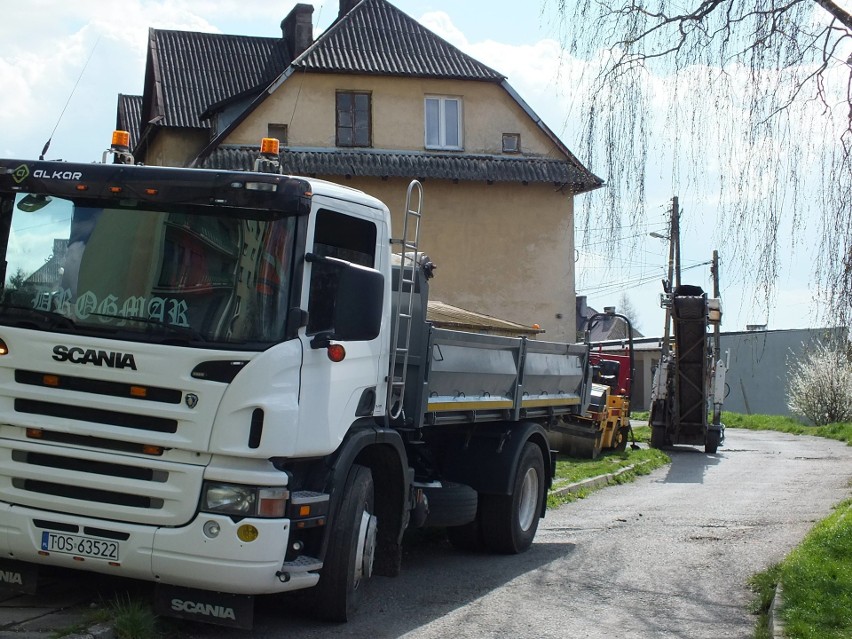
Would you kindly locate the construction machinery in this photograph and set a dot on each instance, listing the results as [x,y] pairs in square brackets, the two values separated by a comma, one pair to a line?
[690,375]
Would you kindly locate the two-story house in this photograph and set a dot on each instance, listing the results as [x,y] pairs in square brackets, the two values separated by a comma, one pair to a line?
[374,101]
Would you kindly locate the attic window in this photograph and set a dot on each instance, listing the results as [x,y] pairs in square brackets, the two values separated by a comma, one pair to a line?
[277,131]
[511,143]
[353,119]
[443,123]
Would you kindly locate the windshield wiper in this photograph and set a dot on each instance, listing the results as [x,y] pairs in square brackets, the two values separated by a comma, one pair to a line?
[48,319]
[185,332]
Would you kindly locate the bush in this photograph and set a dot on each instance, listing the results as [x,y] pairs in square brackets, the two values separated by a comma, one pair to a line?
[820,387]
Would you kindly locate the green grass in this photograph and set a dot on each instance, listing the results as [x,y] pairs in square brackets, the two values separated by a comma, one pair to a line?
[763,585]
[841,432]
[817,580]
[570,470]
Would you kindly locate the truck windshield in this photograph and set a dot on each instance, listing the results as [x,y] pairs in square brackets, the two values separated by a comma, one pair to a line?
[140,274]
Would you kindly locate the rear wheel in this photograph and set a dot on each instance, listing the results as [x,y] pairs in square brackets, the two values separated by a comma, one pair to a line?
[658,437]
[711,441]
[351,549]
[509,522]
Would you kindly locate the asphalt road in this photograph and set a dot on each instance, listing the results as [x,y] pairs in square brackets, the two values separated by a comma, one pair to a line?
[666,556]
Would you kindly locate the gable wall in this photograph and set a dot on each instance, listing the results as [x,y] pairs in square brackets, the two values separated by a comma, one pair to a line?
[307,102]
[175,147]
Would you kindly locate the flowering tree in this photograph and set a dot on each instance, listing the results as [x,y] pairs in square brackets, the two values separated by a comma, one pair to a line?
[820,387]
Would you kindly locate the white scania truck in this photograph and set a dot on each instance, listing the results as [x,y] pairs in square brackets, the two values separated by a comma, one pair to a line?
[223,382]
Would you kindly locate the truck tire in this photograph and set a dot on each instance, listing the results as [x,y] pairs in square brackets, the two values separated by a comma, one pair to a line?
[658,437]
[352,545]
[450,504]
[509,522]
[711,441]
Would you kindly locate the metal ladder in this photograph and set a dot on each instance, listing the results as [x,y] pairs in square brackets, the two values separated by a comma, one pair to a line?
[402,320]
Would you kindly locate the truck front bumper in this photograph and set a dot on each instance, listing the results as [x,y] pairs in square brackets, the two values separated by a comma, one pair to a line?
[185,556]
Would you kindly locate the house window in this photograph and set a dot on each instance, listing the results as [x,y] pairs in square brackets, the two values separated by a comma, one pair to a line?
[443,123]
[353,119]
[511,143]
[277,131]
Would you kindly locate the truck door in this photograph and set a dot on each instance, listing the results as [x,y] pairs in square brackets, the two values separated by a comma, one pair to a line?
[337,392]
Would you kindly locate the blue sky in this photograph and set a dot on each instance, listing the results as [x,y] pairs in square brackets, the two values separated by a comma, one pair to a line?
[47,43]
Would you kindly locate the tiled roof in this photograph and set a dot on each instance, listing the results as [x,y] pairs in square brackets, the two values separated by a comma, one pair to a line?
[129,116]
[377,38]
[194,70]
[465,167]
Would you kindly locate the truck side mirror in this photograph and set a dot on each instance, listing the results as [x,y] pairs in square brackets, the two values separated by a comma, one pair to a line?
[356,304]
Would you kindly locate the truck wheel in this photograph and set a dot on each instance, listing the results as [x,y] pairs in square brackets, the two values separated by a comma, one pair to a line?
[509,522]
[351,549]
[658,437]
[711,441]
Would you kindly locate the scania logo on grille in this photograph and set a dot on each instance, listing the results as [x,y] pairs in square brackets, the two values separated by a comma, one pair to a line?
[77,355]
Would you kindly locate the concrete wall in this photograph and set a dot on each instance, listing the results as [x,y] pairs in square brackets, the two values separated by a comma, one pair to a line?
[757,378]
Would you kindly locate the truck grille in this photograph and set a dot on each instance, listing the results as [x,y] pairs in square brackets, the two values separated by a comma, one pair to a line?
[101,448]
[97,416]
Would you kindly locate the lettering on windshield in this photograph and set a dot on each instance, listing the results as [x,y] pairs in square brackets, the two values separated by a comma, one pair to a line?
[166,310]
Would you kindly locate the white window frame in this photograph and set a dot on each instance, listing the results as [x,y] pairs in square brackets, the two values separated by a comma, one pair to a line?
[442,102]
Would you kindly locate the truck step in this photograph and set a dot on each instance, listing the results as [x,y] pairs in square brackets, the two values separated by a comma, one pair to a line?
[301,564]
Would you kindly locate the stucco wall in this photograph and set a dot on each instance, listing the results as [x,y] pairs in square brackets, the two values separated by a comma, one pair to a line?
[306,102]
[501,249]
[176,147]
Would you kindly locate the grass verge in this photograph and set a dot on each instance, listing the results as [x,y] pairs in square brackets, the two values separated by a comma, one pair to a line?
[570,470]
[817,580]
[839,431]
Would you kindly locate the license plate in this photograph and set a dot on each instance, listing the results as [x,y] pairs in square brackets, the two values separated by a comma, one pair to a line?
[79,545]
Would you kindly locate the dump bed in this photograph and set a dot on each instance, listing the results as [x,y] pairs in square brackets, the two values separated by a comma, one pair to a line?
[460,377]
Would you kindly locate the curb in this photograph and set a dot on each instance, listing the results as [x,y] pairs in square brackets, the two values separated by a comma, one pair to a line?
[776,624]
[100,631]
[594,482]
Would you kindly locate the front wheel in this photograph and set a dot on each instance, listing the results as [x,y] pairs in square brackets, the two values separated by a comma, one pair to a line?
[509,522]
[351,549]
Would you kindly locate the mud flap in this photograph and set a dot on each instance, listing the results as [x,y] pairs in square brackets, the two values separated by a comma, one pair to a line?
[18,576]
[206,606]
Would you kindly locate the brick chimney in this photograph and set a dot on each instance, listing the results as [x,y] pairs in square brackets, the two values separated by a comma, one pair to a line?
[297,29]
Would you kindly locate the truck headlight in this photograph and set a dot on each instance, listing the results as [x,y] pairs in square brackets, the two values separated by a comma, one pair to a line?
[244,501]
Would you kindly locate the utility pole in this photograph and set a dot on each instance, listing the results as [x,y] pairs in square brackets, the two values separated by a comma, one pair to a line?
[714,270]
[675,234]
[674,268]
